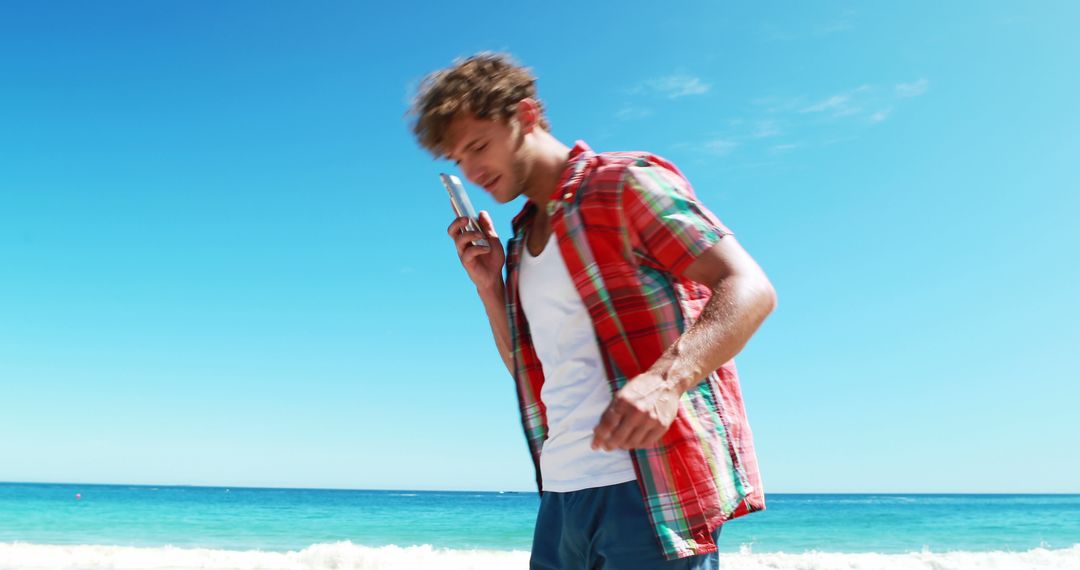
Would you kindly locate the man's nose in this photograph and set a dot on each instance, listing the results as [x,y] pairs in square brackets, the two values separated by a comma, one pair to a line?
[472,172]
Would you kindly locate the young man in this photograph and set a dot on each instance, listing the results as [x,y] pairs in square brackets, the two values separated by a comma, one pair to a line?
[624,302]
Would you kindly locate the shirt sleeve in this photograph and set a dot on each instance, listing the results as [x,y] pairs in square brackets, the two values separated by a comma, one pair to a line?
[664,217]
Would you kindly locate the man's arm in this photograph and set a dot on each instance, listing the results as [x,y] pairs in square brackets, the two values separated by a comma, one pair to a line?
[484,266]
[494,299]
[742,297]
[642,411]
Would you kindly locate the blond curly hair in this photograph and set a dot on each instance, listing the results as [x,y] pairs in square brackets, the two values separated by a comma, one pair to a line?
[488,85]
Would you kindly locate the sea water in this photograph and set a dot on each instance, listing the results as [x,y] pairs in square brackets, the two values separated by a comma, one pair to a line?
[52,526]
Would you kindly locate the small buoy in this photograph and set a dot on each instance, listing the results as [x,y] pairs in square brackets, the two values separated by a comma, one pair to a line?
[78,496]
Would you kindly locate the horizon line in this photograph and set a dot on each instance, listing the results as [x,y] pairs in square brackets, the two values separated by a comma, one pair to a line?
[531,491]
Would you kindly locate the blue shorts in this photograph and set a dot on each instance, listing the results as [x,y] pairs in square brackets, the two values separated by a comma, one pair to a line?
[605,527]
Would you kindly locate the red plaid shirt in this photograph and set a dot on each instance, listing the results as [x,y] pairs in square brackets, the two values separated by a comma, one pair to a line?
[628,225]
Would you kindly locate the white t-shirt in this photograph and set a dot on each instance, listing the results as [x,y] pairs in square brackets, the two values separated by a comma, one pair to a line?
[575,390]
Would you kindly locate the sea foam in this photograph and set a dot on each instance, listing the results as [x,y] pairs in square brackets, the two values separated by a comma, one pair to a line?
[349,556]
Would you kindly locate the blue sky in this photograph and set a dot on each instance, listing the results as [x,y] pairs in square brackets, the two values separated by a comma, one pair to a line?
[223,258]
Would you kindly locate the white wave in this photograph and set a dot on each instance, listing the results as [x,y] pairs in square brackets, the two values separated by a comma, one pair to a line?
[336,556]
[349,556]
[1037,559]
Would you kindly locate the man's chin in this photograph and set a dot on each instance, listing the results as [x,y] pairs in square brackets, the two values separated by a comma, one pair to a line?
[504,197]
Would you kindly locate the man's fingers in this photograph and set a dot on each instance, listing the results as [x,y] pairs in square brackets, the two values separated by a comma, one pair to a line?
[626,427]
[487,225]
[620,423]
[464,241]
[651,437]
[620,436]
[474,251]
[638,437]
[456,226]
[609,420]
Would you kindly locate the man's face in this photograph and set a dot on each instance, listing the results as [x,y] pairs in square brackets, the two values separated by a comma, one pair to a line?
[490,153]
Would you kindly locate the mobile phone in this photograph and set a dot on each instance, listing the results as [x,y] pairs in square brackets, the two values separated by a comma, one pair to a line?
[463,207]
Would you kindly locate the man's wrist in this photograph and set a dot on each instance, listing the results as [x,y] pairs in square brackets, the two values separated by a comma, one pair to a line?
[494,291]
[676,374]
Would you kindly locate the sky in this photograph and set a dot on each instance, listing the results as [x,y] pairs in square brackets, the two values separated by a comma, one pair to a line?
[223,257]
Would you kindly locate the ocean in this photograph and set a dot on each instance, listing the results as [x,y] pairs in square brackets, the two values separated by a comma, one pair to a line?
[54,526]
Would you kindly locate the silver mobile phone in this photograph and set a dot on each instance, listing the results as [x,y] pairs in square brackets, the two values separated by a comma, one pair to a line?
[459,200]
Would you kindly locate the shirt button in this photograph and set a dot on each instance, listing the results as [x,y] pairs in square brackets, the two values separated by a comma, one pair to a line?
[568,195]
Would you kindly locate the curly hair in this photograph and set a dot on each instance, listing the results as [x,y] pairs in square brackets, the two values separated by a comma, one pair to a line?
[488,85]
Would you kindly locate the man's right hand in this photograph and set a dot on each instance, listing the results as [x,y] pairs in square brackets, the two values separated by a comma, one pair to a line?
[483,264]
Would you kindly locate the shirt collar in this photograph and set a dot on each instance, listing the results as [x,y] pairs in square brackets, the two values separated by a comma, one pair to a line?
[577,165]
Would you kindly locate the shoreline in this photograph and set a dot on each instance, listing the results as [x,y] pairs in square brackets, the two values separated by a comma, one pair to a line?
[344,555]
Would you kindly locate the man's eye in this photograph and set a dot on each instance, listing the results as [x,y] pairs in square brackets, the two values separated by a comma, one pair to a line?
[481,147]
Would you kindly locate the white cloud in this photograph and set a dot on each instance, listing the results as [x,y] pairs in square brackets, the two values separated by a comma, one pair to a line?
[720,147]
[913,89]
[841,104]
[832,103]
[880,115]
[766,129]
[675,86]
[779,121]
[772,33]
[631,112]
[778,105]
[847,110]
[842,24]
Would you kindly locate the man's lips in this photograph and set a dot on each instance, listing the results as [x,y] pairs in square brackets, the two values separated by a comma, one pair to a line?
[491,184]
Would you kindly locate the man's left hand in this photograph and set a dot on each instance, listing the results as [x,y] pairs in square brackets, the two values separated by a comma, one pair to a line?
[639,415]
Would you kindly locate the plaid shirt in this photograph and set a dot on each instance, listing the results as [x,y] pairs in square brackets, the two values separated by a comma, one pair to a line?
[628,225]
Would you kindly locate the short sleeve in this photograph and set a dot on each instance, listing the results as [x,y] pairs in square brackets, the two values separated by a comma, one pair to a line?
[665,219]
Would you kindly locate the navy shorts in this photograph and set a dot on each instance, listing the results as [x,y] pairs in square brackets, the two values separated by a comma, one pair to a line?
[605,527]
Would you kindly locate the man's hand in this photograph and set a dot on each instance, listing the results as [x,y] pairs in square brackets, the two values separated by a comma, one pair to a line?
[639,415]
[483,264]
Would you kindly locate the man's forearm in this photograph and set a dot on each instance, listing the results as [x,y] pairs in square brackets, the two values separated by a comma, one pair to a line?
[738,306]
[495,306]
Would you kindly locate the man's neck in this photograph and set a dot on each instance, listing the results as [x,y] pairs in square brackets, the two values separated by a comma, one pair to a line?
[550,160]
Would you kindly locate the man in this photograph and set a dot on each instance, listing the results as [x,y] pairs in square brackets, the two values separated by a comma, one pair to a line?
[624,302]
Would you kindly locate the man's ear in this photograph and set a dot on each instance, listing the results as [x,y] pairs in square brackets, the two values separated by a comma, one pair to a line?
[528,114]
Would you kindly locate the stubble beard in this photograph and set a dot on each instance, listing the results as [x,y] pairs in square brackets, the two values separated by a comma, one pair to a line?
[519,168]
[520,173]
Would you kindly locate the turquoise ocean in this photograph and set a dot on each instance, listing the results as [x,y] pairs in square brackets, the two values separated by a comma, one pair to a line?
[54,526]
